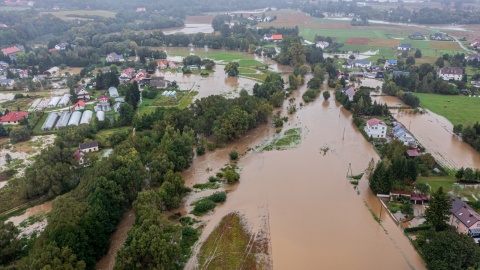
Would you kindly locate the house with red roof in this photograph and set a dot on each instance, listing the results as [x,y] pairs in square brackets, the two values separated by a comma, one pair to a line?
[162,64]
[141,9]
[277,38]
[3,25]
[80,105]
[172,65]
[13,118]
[11,51]
[376,128]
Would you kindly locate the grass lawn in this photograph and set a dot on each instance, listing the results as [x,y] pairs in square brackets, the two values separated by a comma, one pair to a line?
[341,34]
[103,135]
[250,63]
[457,109]
[226,246]
[438,181]
[246,70]
[69,15]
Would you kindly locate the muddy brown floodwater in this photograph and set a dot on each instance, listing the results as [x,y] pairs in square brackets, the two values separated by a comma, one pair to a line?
[435,133]
[301,200]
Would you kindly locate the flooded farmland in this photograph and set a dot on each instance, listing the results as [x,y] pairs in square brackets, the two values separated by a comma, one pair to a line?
[435,133]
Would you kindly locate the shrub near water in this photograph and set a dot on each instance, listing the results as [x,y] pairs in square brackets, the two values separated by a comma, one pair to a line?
[310,95]
[233,155]
[206,204]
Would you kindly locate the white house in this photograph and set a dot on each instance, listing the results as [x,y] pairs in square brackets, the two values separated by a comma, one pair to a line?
[404,47]
[376,128]
[363,63]
[322,44]
[88,147]
[451,73]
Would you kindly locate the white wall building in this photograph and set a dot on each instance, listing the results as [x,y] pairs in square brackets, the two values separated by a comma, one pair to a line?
[451,73]
[376,128]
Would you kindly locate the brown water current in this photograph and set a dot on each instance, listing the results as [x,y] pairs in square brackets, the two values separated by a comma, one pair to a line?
[302,201]
[435,133]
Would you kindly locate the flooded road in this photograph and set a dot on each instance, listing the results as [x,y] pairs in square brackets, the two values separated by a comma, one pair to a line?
[435,133]
[301,200]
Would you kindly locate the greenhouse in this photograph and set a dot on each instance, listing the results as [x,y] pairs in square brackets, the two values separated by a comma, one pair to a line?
[113,92]
[53,102]
[86,117]
[50,122]
[101,116]
[64,101]
[74,118]
[63,121]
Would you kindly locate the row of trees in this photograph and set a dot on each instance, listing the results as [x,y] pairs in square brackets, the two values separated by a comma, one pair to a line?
[469,133]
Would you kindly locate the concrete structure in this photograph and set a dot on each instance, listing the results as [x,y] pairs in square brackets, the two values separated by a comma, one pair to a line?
[451,73]
[376,128]
[50,122]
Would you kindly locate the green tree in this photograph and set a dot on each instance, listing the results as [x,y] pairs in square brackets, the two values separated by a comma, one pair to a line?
[326,95]
[232,69]
[233,155]
[440,62]
[438,210]
[126,114]
[410,61]
[418,53]
[292,81]
[11,245]
[449,250]
[469,175]
[380,181]
[297,53]
[459,174]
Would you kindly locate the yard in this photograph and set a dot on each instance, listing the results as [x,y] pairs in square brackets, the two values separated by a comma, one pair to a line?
[438,181]
[457,109]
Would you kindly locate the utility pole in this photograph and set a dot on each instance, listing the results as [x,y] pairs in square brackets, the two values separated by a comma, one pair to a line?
[349,171]
[343,134]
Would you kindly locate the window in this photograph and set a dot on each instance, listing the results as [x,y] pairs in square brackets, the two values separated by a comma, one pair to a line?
[457,221]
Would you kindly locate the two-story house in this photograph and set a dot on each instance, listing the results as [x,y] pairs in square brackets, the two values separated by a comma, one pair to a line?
[376,128]
[451,73]
[464,219]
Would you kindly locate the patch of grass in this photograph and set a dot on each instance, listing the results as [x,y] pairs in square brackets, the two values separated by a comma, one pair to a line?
[438,181]
[69,15]
[246,70]
[33,219]
[103,135]
[257,77]
[288,139]
[250,63]
[457,109]
[229,246]
[204,205]
[187,100]
[206,186]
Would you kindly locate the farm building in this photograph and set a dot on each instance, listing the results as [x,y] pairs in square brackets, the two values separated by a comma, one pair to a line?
[63,121]
[53,102]
[74,118]
[50,122]
[64,101]
[86,117]
[80,105]
[404,47]
[113,92]
[100,116]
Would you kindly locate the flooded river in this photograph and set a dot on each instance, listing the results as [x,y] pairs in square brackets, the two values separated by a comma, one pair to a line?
[302,202]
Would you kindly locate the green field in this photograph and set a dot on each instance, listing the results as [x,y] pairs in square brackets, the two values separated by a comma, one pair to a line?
[441,181]
[78,14]
[341,34]
[457,109]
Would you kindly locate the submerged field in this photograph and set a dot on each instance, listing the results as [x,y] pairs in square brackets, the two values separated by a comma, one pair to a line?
[457,109]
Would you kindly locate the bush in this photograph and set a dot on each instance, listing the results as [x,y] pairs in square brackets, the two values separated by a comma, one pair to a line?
[17,96]
[201,150]
[218,197]
[233,155]
[310,95]
[231,175]
[211,146]
[20,134]
[203,206]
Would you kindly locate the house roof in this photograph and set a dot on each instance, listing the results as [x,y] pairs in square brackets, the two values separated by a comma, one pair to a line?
[11,50]
[363,62]
[13,116]
[404,45]
[103,98]
[464,213]
[417,34]
[392,62]
[79,103]
[78,154]
[451,70]
[400,73]
[413,153]
[400,192]
[277,37]
[374,121]
[88,145]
